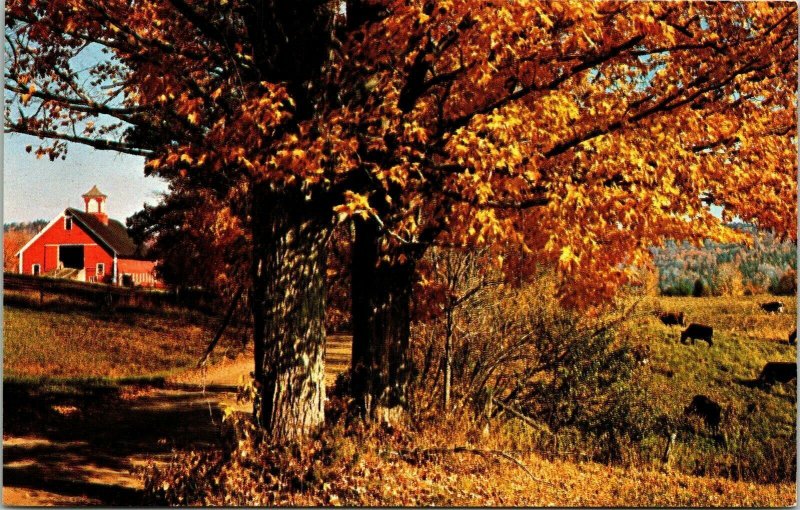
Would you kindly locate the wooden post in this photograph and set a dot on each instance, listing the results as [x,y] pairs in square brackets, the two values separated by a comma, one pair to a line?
[668,450]
[448,360]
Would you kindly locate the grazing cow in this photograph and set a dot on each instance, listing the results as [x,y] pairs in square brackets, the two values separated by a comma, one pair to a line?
[698,332]
[673,318]
[777,372]
[793,337]
[641,354]
[772,307]
[707,409]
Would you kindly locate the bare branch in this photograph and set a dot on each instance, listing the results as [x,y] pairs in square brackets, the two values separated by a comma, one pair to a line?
[101,144]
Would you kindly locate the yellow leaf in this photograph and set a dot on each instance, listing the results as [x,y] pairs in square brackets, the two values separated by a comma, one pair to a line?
[545,18]
[567,257]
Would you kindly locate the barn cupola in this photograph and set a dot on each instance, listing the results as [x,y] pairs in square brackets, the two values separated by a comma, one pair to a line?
[96,204]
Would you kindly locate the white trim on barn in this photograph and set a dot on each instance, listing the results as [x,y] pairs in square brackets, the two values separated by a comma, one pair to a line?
[71,244]
[40,234]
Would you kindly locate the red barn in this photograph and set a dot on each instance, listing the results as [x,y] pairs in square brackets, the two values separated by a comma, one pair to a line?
[87,246]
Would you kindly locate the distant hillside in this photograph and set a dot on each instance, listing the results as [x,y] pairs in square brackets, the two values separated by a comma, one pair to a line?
[762,266]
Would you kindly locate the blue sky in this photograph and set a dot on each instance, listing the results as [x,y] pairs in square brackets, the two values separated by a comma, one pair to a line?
[39,189]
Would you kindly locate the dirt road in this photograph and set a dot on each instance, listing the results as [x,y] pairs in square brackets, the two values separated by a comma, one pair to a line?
[65,449]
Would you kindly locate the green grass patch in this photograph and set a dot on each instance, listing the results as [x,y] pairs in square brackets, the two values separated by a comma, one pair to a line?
[759,423]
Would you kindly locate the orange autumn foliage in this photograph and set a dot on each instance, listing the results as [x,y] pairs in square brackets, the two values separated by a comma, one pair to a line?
[584,132]
[13,240]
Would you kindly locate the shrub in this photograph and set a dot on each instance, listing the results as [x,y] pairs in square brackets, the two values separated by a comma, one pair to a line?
[787,284]
[770,275]
[644,281]
[701,288]
[523,349]
[750,289]
[591,391]
[727,281]
[682,287]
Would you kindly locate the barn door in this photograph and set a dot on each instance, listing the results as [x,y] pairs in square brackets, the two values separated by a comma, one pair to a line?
[71,256]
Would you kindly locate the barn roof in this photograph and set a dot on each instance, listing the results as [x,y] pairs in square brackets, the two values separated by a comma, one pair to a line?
[114,235]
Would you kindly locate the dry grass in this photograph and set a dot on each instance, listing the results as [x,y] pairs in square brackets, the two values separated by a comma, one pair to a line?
[467,480]
[377,467]
[82,344]
[464,480]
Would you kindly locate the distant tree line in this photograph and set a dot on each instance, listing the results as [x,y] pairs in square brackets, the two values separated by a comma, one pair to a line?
[31,227]
[15,235]
[768,265]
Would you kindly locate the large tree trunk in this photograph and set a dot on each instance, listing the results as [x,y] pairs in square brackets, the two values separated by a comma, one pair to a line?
[288,315]
[381,365]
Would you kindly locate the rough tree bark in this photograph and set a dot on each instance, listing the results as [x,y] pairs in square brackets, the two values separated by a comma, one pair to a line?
[289,239]
[381,365]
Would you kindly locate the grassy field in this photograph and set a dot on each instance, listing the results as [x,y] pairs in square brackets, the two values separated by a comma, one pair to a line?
[75,343]
[759,423]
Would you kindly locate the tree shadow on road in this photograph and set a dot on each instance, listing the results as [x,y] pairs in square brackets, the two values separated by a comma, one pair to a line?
[84,440]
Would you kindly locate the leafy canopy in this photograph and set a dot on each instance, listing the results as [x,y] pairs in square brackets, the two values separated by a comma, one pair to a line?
[582,131]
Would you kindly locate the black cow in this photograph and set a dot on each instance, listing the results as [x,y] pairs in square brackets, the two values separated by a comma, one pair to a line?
[707,409]
[673,318]
[772,307]
[698,332]
[793,337]
[778,372]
